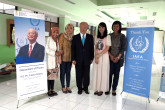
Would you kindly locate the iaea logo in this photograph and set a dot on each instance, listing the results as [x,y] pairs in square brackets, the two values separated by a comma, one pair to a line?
[139,44]
[34,22]
[21,42]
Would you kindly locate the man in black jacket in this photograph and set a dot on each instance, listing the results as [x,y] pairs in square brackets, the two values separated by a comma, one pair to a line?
[82,57]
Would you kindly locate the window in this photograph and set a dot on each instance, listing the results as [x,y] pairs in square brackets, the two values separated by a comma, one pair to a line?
[5,8]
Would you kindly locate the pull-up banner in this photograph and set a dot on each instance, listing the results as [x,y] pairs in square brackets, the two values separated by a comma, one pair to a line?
[30,54]
[138,62]
[162,82]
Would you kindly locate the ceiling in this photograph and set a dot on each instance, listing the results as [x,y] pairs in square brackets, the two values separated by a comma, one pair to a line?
[95,11]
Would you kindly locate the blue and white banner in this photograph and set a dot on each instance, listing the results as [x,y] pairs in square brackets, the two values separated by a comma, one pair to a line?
[164,44]
[162,84]
[162,81]
[30,54]
[138,62]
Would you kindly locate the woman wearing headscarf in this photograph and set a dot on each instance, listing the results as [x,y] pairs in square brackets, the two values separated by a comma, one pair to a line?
[53,55]
[65,41]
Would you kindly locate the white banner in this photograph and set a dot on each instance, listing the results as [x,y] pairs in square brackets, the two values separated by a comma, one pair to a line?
[31,79]
[148,23]
[30,54]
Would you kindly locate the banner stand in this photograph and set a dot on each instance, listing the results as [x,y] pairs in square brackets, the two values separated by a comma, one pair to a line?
[31,68]
[162,83]
[19,100]
[17,104]
[148,100]
[158,98]
[121,93]
[138,59]
[148,97]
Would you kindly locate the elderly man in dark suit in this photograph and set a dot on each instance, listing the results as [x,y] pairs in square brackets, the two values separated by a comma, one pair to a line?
[33,52]
[82,56]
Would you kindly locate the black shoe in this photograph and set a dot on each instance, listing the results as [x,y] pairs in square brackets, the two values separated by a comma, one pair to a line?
[100,93]
[87,92]
[54,93]
[95,93]
[50,94]
[114,93]
[79,92]
[107,93]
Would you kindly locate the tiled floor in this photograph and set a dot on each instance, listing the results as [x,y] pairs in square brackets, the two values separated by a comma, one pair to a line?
[73,101]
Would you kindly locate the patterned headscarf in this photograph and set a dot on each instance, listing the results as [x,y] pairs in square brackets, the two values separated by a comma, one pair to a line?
[67,35]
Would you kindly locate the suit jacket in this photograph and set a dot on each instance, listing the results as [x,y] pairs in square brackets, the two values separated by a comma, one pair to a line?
[80,53]
[37,52]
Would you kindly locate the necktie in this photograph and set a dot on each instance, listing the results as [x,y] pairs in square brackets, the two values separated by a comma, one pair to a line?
[30,51]
[83,40]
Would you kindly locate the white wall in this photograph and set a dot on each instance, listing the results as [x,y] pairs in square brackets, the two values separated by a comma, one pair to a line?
[158,41]
[76,30]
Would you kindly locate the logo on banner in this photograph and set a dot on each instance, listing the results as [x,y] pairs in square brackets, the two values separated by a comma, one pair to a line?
[139,44]
[21,42]
[35,22]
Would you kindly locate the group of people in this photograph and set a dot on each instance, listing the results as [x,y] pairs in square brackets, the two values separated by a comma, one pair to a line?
[106,52]
[109,58]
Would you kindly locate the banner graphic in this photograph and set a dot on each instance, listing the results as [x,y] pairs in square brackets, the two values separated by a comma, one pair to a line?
[30,54]
[138,62]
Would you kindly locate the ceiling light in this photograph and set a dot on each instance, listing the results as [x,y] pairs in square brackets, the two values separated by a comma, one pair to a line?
[70,2]
[98,16]
[103,15]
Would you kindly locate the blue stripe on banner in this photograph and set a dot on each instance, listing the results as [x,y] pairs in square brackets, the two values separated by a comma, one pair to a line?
[138,62]
[22,60]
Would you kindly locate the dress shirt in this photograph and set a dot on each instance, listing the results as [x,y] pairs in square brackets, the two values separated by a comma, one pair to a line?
[32,45]
[82,36]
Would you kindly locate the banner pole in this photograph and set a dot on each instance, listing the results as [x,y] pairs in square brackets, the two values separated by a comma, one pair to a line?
[17,104]
[158,98]
[121,92]
[148,100]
